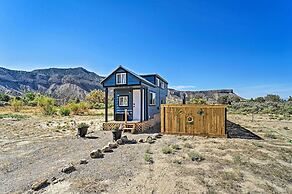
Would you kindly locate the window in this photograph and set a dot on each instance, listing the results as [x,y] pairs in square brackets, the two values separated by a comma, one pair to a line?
[121,78]
[157,82]
[123,100]
[162,85]
[152,98]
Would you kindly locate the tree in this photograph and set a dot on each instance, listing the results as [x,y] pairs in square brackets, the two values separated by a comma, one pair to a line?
[29,98]
[223,100]
[197,101]
[290,99]
[273,98]
[16,104]
[260,99]
[4,97]
[96,96]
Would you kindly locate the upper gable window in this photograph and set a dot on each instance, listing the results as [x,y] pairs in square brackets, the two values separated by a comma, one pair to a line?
[121,78]
[157,82]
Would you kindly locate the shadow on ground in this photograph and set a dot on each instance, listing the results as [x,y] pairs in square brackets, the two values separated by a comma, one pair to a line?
[237,131]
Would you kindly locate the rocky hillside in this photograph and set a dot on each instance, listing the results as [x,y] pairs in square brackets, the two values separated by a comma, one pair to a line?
[75,83]
[209,95]
[59,83]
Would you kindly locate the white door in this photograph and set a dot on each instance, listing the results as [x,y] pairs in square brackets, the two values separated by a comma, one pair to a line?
[136,105]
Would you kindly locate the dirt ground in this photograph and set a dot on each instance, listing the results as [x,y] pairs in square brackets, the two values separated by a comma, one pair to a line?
[38,147]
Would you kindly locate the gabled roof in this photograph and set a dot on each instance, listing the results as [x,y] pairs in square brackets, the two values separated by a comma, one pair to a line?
[131,72]
[154,74]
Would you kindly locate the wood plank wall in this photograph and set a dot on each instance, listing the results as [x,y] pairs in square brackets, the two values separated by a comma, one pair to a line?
[189,119]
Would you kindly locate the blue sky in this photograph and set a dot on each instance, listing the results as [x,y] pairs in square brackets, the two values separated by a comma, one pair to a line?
[199,44]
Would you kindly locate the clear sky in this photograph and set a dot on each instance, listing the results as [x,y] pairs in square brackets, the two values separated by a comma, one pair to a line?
[198,44]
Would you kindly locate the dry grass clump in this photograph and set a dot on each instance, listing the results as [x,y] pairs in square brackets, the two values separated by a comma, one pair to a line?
[167,150]
[195,156]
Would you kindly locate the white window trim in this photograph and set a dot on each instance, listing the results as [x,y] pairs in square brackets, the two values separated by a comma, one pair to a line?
[151,99]
[125,100]
[123,81]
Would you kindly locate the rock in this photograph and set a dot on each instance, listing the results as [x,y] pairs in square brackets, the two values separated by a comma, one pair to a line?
[106,149]
[149,140]
[141,140]
[83,161]
[53,179]
[68,169]
[124,139]
[113,145]
[132,141]
[157,136]
[40,184]
[119,142]
[96,154]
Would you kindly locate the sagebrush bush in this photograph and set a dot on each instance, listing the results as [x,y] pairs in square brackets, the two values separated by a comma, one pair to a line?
[64,111]
[16,104]
[47,104]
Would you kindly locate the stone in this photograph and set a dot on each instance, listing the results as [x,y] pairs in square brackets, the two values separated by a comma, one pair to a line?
[158,135]
[83,161]
[149,140]
[119,142]
[132,141]
[39,184]
[96,154]
[141,140]
[113,145]
[124,139]
[68,169]
[106,149]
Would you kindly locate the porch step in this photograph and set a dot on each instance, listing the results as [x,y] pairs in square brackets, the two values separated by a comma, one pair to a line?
[129,128]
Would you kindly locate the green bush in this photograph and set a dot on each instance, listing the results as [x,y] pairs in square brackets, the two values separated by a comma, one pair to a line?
[167,150]
[4,97]
[64,111]
[197,101]
[16,104]
[78,108]
[47,104]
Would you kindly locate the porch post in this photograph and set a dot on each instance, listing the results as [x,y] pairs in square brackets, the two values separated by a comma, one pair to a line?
[142,107]
[106,104]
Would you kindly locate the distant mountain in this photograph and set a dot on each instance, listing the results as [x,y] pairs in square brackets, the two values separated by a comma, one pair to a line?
[58,83]
[209,95]
[76,83]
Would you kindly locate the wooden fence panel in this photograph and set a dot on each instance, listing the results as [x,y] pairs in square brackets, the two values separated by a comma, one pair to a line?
[207,120]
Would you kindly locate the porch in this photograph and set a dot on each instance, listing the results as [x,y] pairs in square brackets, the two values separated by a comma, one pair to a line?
[135,126]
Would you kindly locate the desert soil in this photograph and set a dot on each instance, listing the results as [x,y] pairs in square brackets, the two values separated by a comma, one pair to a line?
[38,147]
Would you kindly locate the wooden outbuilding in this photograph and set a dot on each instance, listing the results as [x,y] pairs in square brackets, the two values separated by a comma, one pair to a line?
[191,119]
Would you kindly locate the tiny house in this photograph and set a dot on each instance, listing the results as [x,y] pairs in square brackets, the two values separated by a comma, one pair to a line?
[140,95]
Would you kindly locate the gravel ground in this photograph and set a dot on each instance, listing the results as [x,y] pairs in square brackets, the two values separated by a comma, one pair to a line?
[39,147]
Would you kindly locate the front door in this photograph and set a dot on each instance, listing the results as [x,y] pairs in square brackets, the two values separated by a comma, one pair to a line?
[137,105]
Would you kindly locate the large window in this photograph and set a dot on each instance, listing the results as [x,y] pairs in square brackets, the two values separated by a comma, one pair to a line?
[123,100]
[162,85]
[121,78]
[152,98]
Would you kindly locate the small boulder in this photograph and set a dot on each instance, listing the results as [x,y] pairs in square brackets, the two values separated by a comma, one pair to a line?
[68,169]
[124,139]
[158,135]
[113,145]
[83,161]
[141,140]
[132,141]
[96,154]
[39,184]
[106,149]
[119,142]
[149,140]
